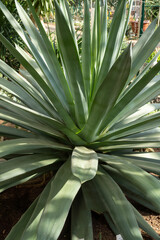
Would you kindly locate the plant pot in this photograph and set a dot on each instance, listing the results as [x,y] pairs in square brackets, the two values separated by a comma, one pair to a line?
[145,24]
[134,25]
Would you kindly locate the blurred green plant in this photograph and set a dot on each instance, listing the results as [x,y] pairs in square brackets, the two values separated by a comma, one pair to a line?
[153,54]
[113,3]
[8,31]
[44,8]
[152,9]
[82,120]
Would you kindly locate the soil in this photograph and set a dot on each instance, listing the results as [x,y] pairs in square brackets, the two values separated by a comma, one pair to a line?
[15,201]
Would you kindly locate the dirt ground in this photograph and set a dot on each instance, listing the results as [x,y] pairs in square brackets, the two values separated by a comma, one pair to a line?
[14,202]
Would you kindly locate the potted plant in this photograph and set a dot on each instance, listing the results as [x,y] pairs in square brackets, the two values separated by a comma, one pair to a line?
[82,120]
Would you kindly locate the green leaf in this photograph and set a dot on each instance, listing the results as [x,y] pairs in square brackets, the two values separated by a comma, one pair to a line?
[147,94]
[107,95]
[148,161]
[144,47]
[18,229]
[47,66]
[68,16]
[19,80]
[55,63]
[115,38]
[124,144]
[86,50]
[145,226]
[22,144]
[22,179]
[104,33]
[147,184]
[91,199]
[144,39]
[81,225]
[130,4]
[28,87]
[140,125]
[28,124]
[19,168]
[111,223]
[34,115]
[84,163]
[30,232]
[141,74]
[96,34]
[27,112]
[119,111]
[152,134]
[21,94]
[129,188]
[32,62]
[72,65]
[34,120]
[29,221]
[142,112]
[13,22]
[49,92]
[120,210]
[14,132]
[58,204]
[21,165]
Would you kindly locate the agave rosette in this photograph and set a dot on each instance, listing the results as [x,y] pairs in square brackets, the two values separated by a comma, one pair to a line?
[82,121]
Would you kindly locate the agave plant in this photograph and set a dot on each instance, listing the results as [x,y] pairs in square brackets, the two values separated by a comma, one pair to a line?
[82,120]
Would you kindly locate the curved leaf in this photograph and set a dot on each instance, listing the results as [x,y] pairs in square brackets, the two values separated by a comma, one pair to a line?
[20,168]
[84,163]
[147,184]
